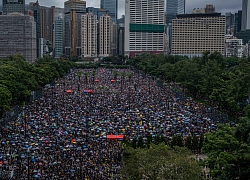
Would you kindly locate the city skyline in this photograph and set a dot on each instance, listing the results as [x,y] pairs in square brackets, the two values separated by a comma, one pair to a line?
[220,6]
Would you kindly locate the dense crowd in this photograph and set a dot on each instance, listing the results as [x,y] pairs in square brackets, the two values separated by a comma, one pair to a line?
[62,135]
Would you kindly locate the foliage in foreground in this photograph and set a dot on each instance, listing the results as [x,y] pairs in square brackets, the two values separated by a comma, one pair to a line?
[228,151]
[159,162]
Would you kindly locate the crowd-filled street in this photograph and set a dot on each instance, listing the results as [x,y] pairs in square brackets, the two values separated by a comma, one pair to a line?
[63,134]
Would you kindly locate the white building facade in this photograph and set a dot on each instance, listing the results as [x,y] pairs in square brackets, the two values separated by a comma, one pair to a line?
[89,35]
[105,35]
[234,47]
[145,30]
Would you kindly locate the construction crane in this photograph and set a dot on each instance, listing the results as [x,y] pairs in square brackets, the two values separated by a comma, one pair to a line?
[73,28]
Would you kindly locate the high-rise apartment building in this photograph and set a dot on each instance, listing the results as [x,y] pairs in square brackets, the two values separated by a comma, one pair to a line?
[10,6]
[18,35]
[114,39]
[105,35]
[89,35]
[145,25]
[111,6]
[245,15]
[174,7]
[79,6]
[192,34]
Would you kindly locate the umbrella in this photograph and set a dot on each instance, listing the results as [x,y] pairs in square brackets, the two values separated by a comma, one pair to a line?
[88,91]
[112,80]
[69,91]
[96,80]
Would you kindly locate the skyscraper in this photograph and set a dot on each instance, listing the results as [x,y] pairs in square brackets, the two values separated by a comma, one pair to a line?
[89,35]
[174,7]
[45,24]
[18,35]
[35,9]
[111,6]
[10,6]
[79,6]
[245,15]
[237,23]
[144,22]
[105,35]
[58,32]
[194,34]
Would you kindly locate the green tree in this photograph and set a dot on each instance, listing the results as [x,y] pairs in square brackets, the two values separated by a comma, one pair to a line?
[159,162]
[177,141]
[86,77]
[130,75]
[140,143]
[188,143]
[115,73]
[195,144]
[228,157]
[93,75]
[134,143]
[5,99]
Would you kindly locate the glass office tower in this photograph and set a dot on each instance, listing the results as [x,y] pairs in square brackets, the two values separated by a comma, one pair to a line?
[111,6]
[174,7]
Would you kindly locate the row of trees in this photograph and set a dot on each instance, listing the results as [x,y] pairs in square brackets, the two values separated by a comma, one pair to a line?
[19,77]
[222,82]
[193,143]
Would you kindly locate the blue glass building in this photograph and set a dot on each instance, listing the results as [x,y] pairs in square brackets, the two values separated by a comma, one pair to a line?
[111,6]
[174,7]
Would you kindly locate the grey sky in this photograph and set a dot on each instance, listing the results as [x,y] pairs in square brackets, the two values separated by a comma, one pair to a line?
[221,6]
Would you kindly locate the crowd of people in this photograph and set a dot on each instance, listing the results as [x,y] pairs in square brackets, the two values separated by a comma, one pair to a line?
[63,134]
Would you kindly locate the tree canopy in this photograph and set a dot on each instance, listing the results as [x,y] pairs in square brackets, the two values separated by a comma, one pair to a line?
[228,151]
[19,77]
[159,162]
[218,81]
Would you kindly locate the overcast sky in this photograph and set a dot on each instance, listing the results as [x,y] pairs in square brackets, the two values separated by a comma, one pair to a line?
[221,6]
